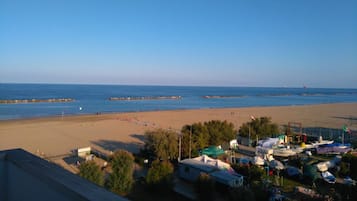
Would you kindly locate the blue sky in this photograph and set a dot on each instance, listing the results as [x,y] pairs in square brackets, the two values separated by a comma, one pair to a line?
[187,42]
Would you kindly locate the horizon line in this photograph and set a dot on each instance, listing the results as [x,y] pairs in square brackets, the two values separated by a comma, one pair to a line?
[174,85]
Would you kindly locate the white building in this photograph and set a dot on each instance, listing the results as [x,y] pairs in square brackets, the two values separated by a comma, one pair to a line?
[190,169]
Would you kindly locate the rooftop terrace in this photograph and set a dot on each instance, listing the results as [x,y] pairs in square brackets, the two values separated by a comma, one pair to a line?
[24,176]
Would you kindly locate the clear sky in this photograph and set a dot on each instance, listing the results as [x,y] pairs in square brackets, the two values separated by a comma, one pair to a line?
[278,43]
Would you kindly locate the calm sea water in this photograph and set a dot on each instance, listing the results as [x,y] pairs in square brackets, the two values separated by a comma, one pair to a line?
[90,99]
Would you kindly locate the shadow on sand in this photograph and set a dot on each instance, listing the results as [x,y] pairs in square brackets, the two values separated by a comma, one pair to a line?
[72,160]
[350,118]
[111,145]
[139,137]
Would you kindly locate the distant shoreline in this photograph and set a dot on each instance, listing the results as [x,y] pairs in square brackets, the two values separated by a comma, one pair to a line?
[110,114]
[110,131]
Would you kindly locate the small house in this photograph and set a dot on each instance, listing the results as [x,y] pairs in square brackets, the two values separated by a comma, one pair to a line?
[190,169]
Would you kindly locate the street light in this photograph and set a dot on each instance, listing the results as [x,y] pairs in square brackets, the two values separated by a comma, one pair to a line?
[249,135]
[180,137]
[189,154]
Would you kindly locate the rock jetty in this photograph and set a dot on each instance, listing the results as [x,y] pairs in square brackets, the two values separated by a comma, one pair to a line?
[211,97]
[133,98]
[51,100]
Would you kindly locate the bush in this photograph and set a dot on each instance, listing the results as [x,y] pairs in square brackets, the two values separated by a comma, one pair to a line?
[159,176]
[201,135]
[344,169]
[161,144]
[91,171]
[263,127]
[351,160]
[252,173]
[121,179]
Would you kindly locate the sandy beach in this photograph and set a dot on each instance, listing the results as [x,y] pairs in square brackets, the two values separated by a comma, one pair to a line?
[105,132]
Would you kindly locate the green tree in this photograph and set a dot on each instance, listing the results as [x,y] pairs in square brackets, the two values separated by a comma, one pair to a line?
[220,132]
[160,176]
[261,127]
[252,172]
[351,163]
[201,135]
[161,144]
[197,135]
[91,171]
[121,179]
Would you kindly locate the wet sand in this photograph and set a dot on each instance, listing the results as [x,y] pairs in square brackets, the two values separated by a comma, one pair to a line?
[57,135]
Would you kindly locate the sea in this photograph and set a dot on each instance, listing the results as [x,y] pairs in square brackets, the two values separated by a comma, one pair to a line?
[94,99]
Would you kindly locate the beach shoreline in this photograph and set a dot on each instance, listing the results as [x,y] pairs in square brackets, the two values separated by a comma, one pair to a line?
[109,131]
[109,114]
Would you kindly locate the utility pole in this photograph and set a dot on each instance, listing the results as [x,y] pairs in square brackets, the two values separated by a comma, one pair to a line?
[179,157]
[189,154]
[249,136]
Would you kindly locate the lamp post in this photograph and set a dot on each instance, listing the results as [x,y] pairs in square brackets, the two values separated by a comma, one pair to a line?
[189,154]
[253,119]
[249,136]
[179,154]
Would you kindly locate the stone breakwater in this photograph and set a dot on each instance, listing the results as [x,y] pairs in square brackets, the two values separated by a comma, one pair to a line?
[212,97]
[51,100]
[133,98]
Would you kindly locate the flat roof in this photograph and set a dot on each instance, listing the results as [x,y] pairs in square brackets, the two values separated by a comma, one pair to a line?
[206,163]
[59,179]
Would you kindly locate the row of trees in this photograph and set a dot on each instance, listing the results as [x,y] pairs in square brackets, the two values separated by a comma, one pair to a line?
[259,127]
[163,144]
[200,135]
[120,180]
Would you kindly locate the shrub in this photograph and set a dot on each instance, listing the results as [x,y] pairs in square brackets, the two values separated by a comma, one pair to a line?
[159,176]
[121,179]
[91,171]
